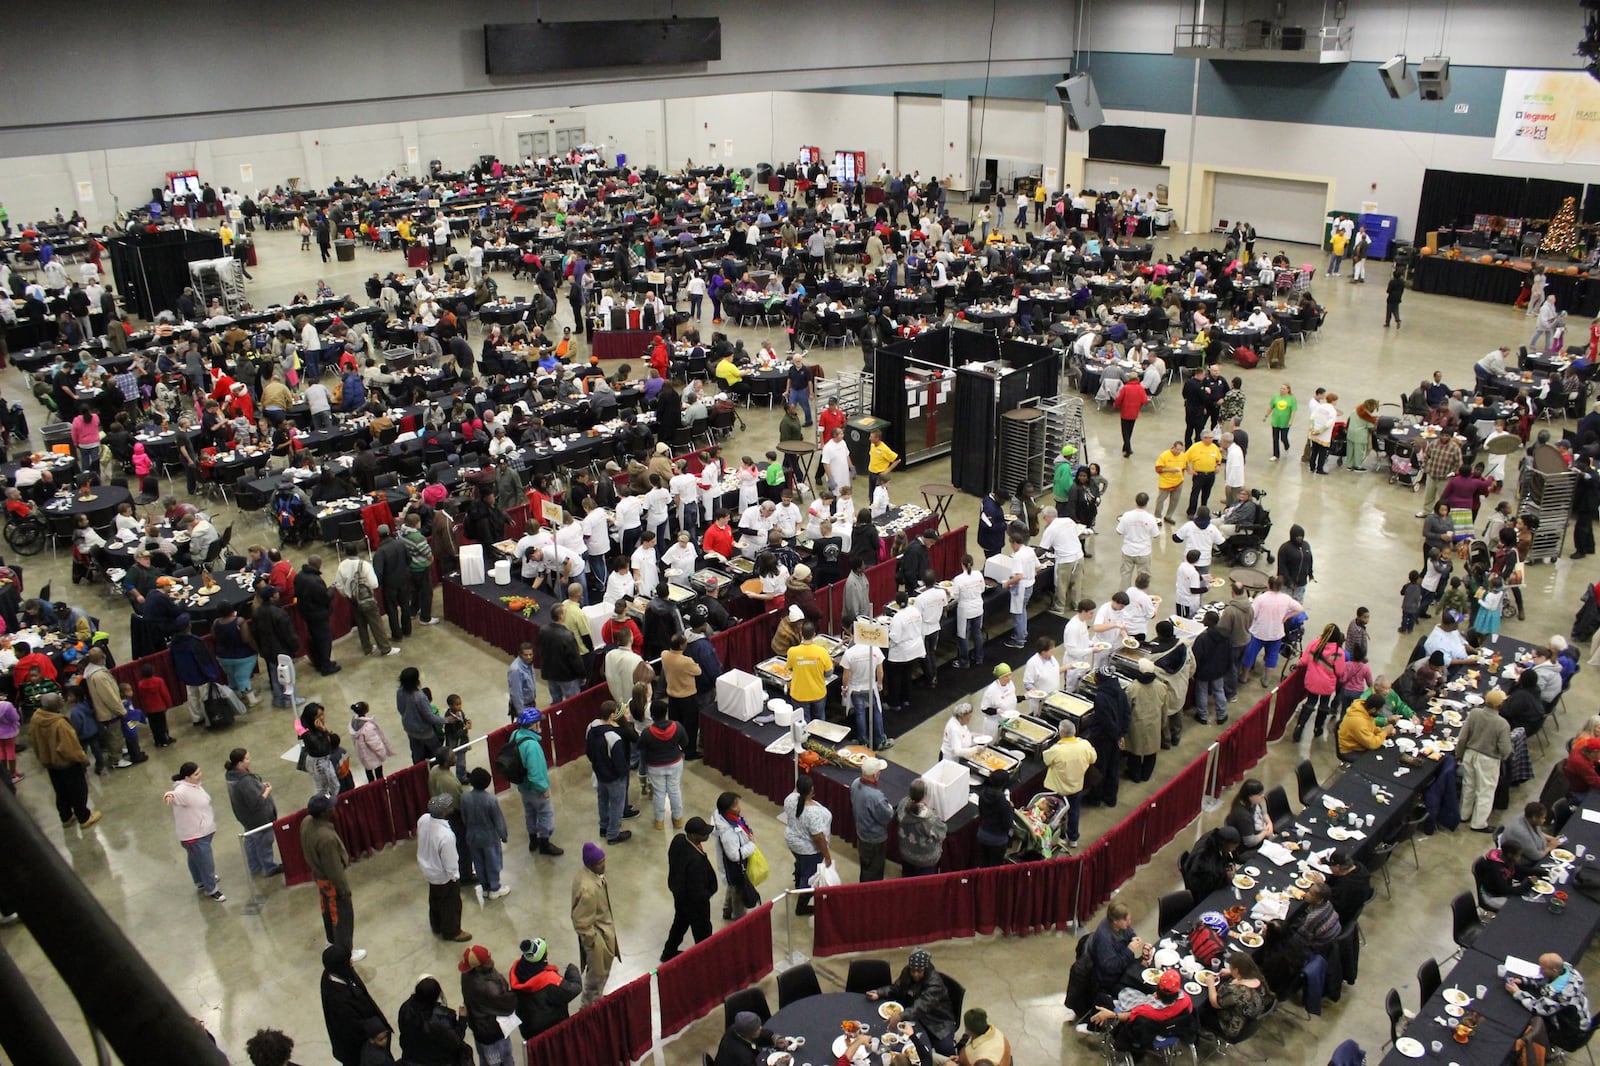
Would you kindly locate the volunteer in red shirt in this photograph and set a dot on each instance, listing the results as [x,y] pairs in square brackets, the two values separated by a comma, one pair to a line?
[719,536]
[1130,400]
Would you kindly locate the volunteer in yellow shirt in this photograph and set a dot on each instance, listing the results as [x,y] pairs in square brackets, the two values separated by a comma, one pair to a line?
[1336,245]
[1066,761]
[1203,458]
[1039,198]
[1170,466]
[809,665]
[880,460]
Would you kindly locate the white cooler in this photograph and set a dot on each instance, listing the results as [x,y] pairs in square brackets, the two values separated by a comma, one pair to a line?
[949,789]
[740,695]
[470,558]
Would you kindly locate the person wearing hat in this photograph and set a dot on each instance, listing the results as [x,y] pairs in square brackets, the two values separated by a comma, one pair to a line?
[999,700]
[958,743]
[922,991]
[1067,761]
[1483,744]
[692,880]
[534,789]
[873,815]
[542,991]
[746,1042]
[1210,864]
[440,861]
[348,1010]
[1062,476]
[981,1042]
[487,996]
[594,923]
[1170,1004]
[327,858]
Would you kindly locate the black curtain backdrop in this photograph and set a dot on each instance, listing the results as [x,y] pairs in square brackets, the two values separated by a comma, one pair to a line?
[1451,198]
[972,446]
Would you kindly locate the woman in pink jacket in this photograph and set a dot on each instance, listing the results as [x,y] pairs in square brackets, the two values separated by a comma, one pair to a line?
[1321,662]
[196,825]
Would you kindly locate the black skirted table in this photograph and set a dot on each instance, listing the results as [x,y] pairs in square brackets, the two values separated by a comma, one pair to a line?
[99,504]
[818,1019]
[1577,294]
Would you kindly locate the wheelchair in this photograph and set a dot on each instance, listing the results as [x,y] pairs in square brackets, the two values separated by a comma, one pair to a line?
[27,535]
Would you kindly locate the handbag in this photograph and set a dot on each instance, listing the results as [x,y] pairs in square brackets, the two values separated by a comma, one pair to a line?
[757,869]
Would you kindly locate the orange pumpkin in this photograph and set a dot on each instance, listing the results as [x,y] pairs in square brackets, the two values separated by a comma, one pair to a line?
[1485,258]
[1427,251]
[1572,270]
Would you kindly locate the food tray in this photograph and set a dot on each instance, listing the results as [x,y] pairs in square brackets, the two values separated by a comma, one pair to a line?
[741,565]
[987,760]
[1065,703]
[774,669]
[832,732]
[708,580]
[855,754]
[679,594]
[1029,732]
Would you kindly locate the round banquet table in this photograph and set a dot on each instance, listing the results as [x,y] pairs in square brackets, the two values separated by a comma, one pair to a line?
[817,1019]
[234,590]
[100,505]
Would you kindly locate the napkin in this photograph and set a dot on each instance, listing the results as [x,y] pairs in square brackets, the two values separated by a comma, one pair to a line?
[1522,967]
[1275,853]
[1270,908]
[1590,816]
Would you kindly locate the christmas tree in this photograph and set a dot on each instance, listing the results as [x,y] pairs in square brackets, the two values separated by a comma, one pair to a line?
[1561,236]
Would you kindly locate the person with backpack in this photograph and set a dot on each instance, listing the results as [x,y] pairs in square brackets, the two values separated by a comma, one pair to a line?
[358,582]
[419,569]
[522,763]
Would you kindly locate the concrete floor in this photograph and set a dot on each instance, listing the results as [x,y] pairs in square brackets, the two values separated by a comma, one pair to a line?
[237,973]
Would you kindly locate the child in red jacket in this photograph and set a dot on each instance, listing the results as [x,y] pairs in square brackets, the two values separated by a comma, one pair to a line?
[150,695]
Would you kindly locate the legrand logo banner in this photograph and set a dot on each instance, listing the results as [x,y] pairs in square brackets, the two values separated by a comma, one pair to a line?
[1549,116]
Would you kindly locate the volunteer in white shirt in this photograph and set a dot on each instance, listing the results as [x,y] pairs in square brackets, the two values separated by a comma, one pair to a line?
[1043,672]
[596,543]
[1062,536]
[958,743]
[968,587]
[861,680]
[1189,584]
[1076,637]
[561,567]
[1232,467]
[685,489]
[1024,571]
[646,573]
[905,648]
[710,482]
[1110,622]
[786,517]
[656,502]
[528,547]
[836,461]
[1141,612]
[1138,529]
[999,700]
[1200,534]
[930,603]
[630,521]
[681,556]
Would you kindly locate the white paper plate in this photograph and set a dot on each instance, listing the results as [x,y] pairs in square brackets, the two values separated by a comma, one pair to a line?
[1409,1047]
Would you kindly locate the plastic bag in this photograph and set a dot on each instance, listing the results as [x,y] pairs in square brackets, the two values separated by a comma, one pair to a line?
[827,876]
[756,868]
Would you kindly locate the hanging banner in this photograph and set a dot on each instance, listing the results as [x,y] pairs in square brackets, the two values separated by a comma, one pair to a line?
[1549,116]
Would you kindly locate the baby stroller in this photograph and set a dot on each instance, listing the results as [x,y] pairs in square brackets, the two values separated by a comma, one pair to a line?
[1041,827]
[1294,639]
[1403,470]
[297,526]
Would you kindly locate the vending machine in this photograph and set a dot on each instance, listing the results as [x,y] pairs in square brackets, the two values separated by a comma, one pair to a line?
[848,166]
[810,153]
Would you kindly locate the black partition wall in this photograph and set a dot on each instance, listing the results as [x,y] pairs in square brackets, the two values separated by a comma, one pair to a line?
[944,390]
[1450,198]
[152,269]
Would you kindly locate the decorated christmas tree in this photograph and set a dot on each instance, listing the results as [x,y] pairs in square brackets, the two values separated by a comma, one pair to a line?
[1562,235]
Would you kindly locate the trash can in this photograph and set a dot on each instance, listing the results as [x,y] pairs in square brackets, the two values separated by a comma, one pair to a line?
[345,250]
[858,438]
[763,173]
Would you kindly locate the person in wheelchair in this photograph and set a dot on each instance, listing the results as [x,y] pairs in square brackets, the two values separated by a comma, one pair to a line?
[291,509]
[1244,516]
[1137,1020]
[19,509]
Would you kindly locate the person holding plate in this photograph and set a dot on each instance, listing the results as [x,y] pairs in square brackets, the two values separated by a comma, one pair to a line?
[1234,998]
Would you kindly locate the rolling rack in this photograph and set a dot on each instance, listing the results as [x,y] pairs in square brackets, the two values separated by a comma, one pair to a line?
[1063,425]
[1022,442]
[1546,492]
[222,280]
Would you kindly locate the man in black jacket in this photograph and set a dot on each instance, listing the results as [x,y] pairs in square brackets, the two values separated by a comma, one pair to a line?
[915,562]
[390,564]
[607,750]
[1213,660]
[1196,406]
[316,606]
[543,991]
[559,658]
[274,635]
[1295,564]
[1349,887]
[1209,866]
[692,880]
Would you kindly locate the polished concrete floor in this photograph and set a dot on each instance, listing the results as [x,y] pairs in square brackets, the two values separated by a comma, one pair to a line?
[237,972]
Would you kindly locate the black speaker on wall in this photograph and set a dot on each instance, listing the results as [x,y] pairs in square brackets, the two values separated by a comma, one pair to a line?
[1081,102]
[515,48]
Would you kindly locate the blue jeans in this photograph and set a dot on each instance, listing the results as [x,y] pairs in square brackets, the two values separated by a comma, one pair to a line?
[666,784]
[969,638]
[487,861]
[563,690]
[801,398]
[804,867]
[1074,806]
[691,519]
[495,1054]
[1217,691]
[258,851]
[1019,627]
[538,814]
[202,867]
[862,706]
[815,710]
[597,575]
[613,797]
[1253,649]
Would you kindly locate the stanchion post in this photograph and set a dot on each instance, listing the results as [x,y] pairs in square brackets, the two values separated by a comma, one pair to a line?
[1210,800]
[791,957]
[257,901]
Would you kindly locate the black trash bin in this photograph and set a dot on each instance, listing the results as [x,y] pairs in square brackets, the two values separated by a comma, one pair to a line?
[345,250]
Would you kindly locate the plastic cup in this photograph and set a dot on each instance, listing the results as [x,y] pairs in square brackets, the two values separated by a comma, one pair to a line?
[1482,990]
[1437,1046]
